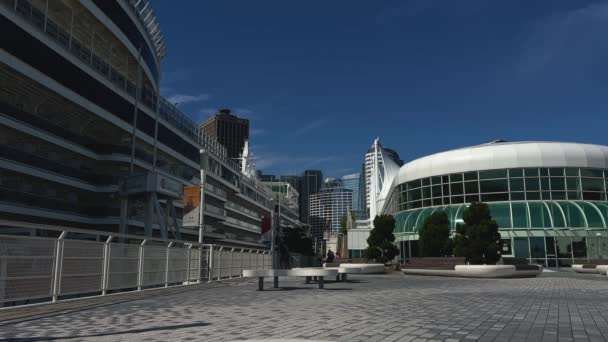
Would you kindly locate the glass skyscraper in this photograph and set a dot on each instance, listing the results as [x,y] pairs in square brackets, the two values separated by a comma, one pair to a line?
[353,183]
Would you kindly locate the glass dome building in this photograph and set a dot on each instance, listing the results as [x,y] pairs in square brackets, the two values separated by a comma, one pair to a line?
[548,198]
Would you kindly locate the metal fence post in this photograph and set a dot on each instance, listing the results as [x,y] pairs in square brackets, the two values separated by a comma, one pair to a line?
[140,268]
[167,264]
[231,263]
[189,265]
[56,285]
[241,262]
[219,263]
[106,266]
[201,249]
[210,263]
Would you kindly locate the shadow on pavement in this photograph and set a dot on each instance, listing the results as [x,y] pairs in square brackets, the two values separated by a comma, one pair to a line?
[133,331]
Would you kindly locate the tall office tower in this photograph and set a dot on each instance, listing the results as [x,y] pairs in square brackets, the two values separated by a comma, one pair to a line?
[229,130]
[369,157]
[310,183]
[353,183]
[327,207]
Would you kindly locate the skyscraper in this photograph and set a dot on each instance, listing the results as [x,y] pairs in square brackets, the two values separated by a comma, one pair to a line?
[367,169]
[229,130]
[310,183]
[353,183]
[327,207]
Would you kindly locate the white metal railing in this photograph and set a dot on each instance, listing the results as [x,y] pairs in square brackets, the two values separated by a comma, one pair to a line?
[38,269]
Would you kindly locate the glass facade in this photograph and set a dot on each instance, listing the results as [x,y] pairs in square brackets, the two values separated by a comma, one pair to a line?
[552,216]
[574,184]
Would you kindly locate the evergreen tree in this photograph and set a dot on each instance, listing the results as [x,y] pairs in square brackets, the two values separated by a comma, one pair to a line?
[435,236]
[477,239]
[381,240]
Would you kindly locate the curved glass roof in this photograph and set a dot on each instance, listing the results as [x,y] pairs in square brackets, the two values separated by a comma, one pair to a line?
[517,215]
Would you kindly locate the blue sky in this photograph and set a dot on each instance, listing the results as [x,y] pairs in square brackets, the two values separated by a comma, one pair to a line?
[319,80]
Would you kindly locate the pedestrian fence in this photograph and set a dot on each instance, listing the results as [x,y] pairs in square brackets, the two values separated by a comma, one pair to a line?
[36,269]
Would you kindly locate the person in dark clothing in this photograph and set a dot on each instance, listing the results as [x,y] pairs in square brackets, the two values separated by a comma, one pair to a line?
[330,257]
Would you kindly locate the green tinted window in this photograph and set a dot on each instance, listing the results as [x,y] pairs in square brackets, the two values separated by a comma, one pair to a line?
[594,196]
[471,198]
[516,173]
[490,174]
[446,190]
[592,184]
[501,213]
[456,188]
[445,179]
[426,192]
[496,185]
[532,184]
[539,215]
[554,171]
[573,184]
[574,216]
[458,199]
[558,195]
[414,195]
[556,214]
[456,177]
[518,196]
[495,197]
[436,191]
[557,183]
[593,216]
[544,171]
[415,184]
[520,215]
[517,184]
[575,195]
[544,183]
[436,180]
[471,187]
[546,195]
[470,176]
[570,171]
[426,181]
[592,173]
[531,172]
[532,195]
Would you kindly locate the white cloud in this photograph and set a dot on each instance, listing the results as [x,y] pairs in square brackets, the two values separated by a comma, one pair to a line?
[290,162]
[310,126]
[256,131]
[184,98]
[566,45]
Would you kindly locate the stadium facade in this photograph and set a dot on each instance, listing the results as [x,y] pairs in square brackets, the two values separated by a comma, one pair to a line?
[548,198]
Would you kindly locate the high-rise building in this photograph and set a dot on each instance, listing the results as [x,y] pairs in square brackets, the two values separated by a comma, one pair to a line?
[353,182]
[310,183]
[229,130]
[86,141]
[327,207]
[368,165]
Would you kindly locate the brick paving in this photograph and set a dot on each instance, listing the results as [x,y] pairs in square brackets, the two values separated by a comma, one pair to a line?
[555,307]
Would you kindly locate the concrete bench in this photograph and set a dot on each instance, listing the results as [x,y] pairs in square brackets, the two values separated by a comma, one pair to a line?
[261,274]
[365,268]
[320,273]
[317,272]
[343,271]
[585,268]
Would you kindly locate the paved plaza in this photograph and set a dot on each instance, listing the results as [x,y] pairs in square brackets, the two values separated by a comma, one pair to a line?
[555,307]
